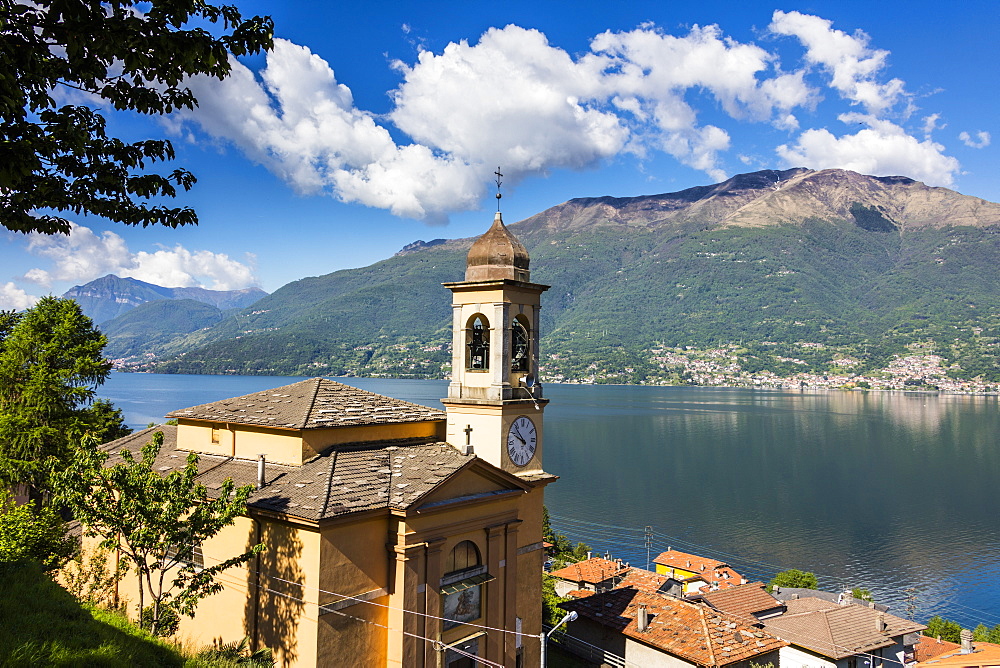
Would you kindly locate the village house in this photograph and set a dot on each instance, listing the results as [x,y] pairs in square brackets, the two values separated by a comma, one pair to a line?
[395,534]
[824,634]
[748,601]
[696,574]
[595,575]
[637,624]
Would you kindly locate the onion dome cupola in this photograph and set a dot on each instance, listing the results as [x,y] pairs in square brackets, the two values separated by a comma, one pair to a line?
[497,255]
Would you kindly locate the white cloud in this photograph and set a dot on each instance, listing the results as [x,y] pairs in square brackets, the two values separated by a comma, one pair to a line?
[510,100]
[83,256]
[300,123]
[14,298]
[931,124]
[982,139]
[850,62]
[514,100]
[882,149]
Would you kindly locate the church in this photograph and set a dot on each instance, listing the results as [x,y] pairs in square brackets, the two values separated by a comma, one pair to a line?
[395,534]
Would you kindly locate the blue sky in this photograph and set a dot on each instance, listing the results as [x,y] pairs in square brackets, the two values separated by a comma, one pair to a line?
[375,124]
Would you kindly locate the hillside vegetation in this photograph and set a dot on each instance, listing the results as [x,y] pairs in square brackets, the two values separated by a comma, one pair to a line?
[798,270]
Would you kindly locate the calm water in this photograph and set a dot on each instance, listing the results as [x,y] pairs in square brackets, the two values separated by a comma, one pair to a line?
[894,492]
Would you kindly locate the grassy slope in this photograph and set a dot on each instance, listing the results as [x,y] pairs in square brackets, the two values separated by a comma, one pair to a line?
[43,625]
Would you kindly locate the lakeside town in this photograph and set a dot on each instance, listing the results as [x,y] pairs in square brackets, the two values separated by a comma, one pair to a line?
[721,367]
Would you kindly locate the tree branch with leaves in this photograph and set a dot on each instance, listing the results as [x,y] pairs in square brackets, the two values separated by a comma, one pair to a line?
[59,157]
[157,521]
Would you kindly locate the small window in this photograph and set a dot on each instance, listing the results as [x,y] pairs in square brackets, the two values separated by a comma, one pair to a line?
[215,434]
[196,558]
[479,344]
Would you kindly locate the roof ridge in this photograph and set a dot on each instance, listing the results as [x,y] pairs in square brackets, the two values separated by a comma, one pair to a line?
[309,409]
[708,634]
[329,483]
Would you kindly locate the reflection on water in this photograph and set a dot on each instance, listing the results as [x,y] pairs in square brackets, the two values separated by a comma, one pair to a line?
[894,492]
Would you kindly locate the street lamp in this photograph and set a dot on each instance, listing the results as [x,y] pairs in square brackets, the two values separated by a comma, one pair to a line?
[544,637]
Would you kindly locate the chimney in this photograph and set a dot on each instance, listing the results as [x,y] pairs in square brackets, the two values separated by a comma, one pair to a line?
[261,471]
[880,621]
[643,620]
[743,581]
[966,636]
[589,554]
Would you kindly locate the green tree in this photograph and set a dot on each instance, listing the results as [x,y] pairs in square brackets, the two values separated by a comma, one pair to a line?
[50,367]
[862,594]
[793,577]
[35,533]
[551,612]
[124,54]
[983,633]
[939,627]
[156,521]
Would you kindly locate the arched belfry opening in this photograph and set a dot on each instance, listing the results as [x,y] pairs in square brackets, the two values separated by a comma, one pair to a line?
[478,343]
[520,344]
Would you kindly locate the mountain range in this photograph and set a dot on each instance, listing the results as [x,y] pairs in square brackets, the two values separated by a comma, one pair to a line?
[110,296]
[802,265]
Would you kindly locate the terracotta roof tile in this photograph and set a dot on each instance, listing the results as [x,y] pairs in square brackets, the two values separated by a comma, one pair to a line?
[579,593]
[691,631]
[687,562]
[927,648]
[592,571]
[390,474]
[644,580]
[310,404]
[742,600]
[836,631]
[983,654]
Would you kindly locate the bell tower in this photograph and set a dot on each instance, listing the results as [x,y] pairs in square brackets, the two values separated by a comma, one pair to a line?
[494,401]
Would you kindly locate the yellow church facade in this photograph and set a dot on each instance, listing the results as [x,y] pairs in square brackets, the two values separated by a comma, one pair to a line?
[395,534]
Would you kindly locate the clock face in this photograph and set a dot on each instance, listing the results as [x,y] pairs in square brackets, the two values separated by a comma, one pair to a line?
[521,441]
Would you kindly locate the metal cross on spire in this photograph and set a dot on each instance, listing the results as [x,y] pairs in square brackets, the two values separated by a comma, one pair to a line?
[498,182]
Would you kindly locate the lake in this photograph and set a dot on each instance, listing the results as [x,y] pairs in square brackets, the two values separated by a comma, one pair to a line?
[896,492]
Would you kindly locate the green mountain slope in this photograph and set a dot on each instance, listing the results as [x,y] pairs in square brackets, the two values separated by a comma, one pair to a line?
[149,327]
[819,264]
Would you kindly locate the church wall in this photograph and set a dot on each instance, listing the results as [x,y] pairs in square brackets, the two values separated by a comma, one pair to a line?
[280,447]
[315,441]
[197,437]
[227,609]
[355,562]
[288,593]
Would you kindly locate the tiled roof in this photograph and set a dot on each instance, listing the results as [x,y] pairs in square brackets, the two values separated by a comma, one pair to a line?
[344,480]
[691,631]
[742,600]
[687,562]
[579,593]
[593,570]
[645,580]
[836,631]
[310,404]
[723,577]
[927,648]
[982,654]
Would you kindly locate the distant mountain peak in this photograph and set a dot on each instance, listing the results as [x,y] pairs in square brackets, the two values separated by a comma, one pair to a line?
[110,296]
[771,197]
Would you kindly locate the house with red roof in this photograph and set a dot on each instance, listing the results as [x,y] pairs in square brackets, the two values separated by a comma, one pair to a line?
[635,624]
[591,575]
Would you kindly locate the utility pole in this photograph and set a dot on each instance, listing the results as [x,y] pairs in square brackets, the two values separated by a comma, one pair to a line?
[649,545]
